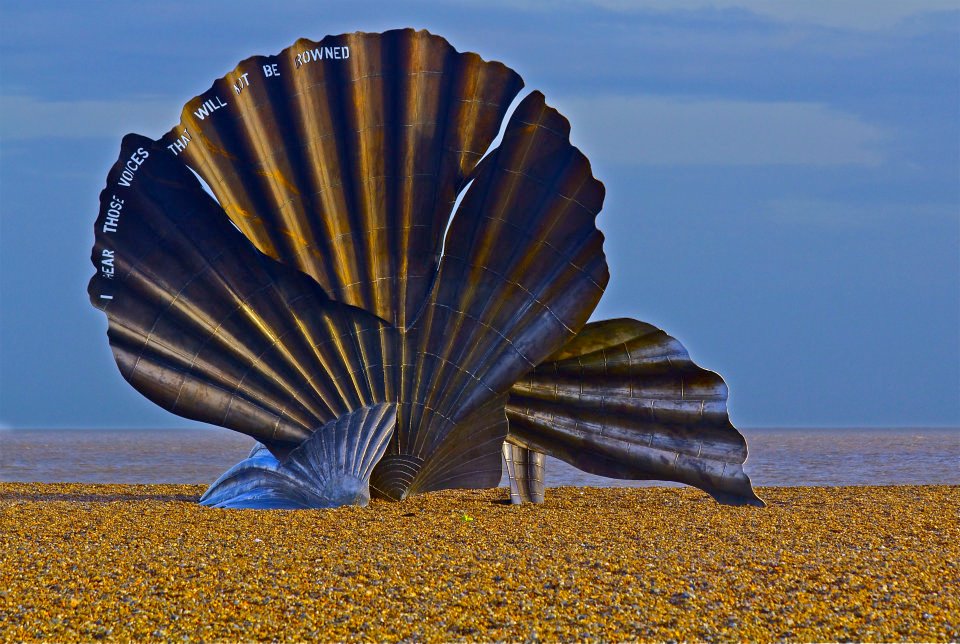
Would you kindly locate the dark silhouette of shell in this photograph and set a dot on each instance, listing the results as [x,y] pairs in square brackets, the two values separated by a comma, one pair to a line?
[332,273]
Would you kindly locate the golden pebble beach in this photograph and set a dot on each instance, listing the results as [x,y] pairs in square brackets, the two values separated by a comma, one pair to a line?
[133,562]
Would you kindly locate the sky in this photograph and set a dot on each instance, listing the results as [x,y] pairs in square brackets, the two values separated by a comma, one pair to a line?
[783,180]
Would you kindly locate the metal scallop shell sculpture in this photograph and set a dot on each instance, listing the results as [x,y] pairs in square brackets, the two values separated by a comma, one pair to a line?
[384,299]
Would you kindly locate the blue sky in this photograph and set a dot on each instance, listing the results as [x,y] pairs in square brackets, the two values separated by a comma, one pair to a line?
[783,180]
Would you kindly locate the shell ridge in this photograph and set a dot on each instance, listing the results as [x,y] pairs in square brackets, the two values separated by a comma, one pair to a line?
[247,134]
[331,368]
[275,347]
[256,395]
[453,470]
[355,455]
[388,417]
[479,464]
[345,92]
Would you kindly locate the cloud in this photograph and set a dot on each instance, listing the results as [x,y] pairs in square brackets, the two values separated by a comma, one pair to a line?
[25,117]
[846,14]
[660,130]
[847,214]
[653,130]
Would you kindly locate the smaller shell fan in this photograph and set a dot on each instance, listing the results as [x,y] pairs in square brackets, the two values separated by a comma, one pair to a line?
[329,469]
[624,400]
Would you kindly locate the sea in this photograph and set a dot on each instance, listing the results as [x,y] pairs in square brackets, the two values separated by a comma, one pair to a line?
[778,457]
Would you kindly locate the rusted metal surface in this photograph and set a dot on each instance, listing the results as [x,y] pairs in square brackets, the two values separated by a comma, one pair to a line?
[330,272]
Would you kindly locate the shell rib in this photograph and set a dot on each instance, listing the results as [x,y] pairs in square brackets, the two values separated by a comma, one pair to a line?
[624,400]
[209,328]
[329,469]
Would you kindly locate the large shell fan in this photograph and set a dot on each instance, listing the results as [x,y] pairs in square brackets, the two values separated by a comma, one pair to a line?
[317,303]
[348,169]
[341,160]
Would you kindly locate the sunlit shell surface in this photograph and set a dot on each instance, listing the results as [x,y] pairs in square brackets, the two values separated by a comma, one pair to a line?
[334,301]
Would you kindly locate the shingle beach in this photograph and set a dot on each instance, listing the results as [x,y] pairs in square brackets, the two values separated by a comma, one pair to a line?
[133,562]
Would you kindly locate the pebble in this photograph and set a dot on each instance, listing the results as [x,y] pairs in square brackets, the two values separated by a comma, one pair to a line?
[145,562]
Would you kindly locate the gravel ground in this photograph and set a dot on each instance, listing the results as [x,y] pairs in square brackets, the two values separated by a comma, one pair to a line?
[132,562]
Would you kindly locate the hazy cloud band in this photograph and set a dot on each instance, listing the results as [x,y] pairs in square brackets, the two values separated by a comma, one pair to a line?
[658,130]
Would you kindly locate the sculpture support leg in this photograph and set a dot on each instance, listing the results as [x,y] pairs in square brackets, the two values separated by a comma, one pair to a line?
[525,469]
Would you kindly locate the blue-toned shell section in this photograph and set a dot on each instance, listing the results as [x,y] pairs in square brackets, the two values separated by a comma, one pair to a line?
[329,469]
